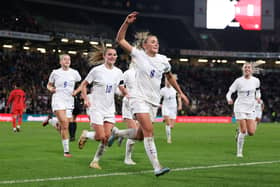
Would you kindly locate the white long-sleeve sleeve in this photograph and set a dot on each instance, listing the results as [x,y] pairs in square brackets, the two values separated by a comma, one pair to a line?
[258,91]
[228,96]
[231,90]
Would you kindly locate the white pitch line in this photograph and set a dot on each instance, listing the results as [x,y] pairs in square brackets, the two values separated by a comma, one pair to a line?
[134,173]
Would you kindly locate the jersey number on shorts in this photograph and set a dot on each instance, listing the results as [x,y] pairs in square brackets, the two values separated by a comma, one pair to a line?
[109,88]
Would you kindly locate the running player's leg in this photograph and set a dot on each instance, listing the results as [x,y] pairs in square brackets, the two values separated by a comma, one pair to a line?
[167,128]
[149,144]
[127,133]
[251,126]
[19,118]
[102,134]
[96,120]
[128,152]
[241,137]
[130,142]
[72,130]
[14,121]
[99,136]
[63,125]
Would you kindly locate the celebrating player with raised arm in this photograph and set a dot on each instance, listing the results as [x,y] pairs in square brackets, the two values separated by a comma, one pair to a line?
[144,99]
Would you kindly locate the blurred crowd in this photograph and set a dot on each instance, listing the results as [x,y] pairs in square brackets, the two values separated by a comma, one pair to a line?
[205,86]
[32,69]
[20,23]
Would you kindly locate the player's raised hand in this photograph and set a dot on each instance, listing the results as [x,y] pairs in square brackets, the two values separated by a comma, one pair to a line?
[131,17]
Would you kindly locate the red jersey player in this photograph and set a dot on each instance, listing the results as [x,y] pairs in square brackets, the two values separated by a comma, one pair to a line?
[17,101]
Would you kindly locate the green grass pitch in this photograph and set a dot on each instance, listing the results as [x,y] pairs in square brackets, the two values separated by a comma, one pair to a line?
[200,155]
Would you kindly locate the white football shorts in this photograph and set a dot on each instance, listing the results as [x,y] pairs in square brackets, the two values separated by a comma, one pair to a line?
[244,115]
[171,112]
[140,106]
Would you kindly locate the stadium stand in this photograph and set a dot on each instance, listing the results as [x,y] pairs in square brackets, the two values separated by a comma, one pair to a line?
[206,85]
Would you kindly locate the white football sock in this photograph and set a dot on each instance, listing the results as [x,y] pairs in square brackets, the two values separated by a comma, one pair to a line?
[99,152]
[127,133]
[168,132]
[151,151]
[129,148]
[240,142]
[91,135]
[65,144]
[53,122]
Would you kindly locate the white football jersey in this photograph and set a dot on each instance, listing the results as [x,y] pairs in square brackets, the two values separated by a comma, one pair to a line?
[64,81]
[129,79]
[104,81]
[169,95]
[129,82]
[259,106]
[148,75]
[247,91]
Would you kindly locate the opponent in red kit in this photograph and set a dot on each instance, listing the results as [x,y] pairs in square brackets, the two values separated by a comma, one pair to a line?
[17,101]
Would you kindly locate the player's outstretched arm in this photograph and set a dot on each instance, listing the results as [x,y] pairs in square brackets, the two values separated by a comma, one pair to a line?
[176,86]
[83,86]
[120,39]
[78,90]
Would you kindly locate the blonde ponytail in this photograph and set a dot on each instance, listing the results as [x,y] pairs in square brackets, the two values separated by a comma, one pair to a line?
[96,56]
[140,37]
